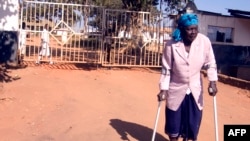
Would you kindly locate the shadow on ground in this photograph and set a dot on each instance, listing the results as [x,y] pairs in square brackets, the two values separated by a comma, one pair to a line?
[139,132]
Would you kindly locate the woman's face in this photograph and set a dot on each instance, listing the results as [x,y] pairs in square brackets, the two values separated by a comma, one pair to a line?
[190,33]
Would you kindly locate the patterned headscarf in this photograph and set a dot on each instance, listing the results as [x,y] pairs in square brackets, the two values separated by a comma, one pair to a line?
[184,21]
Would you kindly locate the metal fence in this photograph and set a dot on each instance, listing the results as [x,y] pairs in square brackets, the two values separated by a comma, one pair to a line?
[92,34]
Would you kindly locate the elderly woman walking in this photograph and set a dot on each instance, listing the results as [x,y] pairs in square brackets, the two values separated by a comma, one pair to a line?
[181,83]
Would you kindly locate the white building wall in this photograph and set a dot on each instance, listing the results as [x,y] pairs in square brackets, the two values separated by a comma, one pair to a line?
[9,15]
[241,33]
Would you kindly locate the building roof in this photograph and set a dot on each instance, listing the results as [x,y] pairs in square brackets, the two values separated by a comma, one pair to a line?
[232,12]
[239,13]
[209,13]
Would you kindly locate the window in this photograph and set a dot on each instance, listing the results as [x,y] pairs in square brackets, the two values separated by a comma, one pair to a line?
[220,34]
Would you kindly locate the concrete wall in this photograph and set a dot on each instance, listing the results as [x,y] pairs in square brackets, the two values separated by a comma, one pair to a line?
[241,33]
[9,15]
[244,84]
[9,26]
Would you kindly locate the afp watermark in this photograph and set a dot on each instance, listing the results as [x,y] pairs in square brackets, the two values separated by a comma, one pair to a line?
[237,132]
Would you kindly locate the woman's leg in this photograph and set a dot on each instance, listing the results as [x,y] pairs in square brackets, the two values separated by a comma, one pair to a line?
[173,123]
[191,119]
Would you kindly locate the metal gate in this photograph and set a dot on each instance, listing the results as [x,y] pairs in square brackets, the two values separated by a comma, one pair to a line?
[92,34]
[133,38]
[74,31]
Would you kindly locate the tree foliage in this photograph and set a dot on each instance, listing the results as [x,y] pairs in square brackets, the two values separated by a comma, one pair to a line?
[174,6]
[137,5]
[140,5]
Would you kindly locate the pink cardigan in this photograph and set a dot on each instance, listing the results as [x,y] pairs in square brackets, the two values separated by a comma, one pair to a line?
[185,72]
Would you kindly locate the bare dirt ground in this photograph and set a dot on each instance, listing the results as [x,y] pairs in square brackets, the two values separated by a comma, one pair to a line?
[67,103]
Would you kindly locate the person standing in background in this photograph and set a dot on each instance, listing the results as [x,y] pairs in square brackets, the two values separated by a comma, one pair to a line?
[22,44]
[181,83]
[45,48]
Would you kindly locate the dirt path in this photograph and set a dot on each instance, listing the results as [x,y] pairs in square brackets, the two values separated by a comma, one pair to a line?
[92,105]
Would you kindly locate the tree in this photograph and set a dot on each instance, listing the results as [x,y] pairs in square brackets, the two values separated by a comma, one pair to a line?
[140,5]
[176,6]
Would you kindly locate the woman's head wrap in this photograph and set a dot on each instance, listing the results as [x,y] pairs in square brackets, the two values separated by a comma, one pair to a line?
[184,21]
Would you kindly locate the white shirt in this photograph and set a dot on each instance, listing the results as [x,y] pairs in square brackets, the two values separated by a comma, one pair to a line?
[121,34]
[45,36]
[188,91]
